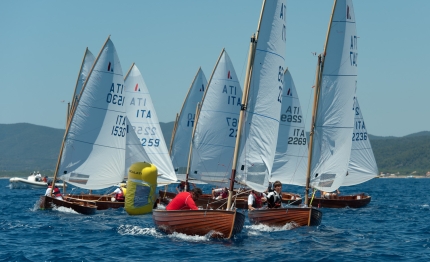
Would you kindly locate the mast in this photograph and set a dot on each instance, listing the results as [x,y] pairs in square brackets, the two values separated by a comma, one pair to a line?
[319,70]
[241,117]
[191,148]
[247,84]
[72,114]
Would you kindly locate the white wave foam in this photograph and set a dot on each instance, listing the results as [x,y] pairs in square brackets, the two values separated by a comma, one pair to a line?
[138,231]
[257,229]
[189,238]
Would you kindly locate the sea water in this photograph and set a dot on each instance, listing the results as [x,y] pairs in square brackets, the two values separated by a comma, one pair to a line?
[394,226]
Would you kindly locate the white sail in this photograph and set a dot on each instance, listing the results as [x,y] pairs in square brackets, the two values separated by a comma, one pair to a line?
[335,117]
[142,116]
[362,163]
[260,132]
[93,155]
[87,63]
[134,152]
[291,156]
[216,126]
[181,139]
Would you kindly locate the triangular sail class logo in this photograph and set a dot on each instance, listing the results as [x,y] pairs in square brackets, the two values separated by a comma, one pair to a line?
[136,88]
[229,75]
[110,67]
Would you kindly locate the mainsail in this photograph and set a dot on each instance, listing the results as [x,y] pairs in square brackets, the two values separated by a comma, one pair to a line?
[181,138]
[142,116]
[362,164]
[216,125]
[260,129]
[291,156]
[93,151]
[334,120]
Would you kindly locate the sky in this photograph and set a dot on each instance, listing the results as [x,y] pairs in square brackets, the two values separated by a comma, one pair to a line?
[42,44]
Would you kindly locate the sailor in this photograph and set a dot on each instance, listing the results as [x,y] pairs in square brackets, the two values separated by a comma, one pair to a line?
[57,193]
[220,193]
[185,200]
[119,194]
[38,176]
[274,198]
[256,200]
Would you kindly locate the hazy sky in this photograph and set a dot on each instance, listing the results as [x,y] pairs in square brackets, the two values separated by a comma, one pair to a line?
[42,44]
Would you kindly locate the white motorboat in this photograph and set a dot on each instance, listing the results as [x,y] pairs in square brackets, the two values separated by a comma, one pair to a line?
[29,183]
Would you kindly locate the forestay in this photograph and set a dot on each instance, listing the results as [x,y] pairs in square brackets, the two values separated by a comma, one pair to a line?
[291,156]
[142,116]
[260,131]
[335,116]
[181,139]
[362,164]
[216,125]
[93,155]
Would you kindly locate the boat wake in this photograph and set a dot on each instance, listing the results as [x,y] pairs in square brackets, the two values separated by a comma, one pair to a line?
[188,238]
[138,231]
[258,229]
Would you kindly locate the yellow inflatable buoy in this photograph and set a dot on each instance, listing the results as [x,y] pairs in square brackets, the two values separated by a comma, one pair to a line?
[141,187]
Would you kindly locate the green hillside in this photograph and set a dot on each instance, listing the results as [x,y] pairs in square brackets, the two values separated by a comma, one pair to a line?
[26,147]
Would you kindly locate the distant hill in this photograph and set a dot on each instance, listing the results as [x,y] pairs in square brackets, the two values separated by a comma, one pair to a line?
[27,147]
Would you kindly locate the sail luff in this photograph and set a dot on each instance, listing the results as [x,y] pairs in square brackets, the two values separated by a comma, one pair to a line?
[172,137]
[311,133]
[191,148]
[241,117]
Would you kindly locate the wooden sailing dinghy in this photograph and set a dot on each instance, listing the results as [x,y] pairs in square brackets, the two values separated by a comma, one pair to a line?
[170,221]
[352,201]
[93,151]
[83,207]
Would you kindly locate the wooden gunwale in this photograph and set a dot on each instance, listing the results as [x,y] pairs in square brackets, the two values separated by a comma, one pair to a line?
[352,201]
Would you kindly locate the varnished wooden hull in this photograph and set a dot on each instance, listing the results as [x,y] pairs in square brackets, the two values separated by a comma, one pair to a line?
[101,201]
[297,216]
[215,223]
[352,201]
[83,207]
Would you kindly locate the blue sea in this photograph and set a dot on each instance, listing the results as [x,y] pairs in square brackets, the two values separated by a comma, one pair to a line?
[394,226]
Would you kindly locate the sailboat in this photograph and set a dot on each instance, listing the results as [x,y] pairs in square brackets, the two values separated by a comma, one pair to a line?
[332,118]
[92,154]
[362,167]
[210,155]
[263,116]
[142,116]
[333,110]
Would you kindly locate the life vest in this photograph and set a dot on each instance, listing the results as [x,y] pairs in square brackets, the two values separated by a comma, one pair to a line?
[277,200]
[57,192]
[120,197]
[257,203]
